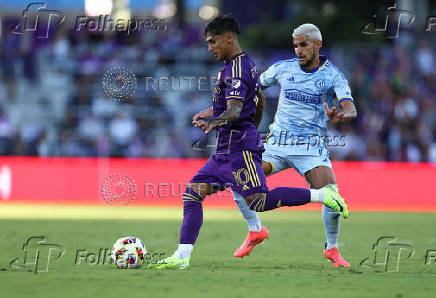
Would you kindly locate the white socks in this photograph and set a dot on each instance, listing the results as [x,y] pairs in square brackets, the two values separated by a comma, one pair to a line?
[332,223]
[317,195]
[183,251]
[250,216]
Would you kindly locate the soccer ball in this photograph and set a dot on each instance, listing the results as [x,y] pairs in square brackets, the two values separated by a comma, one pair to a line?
[128,252]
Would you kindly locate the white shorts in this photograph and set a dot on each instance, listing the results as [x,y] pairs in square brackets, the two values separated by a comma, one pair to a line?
[280,158]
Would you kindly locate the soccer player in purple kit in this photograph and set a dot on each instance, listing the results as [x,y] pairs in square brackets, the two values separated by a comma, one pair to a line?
[238,158]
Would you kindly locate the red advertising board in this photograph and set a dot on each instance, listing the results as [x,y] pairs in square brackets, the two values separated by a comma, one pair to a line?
[367,186]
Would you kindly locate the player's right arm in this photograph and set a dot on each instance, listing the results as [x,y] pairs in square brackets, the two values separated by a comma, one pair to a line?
[269,76]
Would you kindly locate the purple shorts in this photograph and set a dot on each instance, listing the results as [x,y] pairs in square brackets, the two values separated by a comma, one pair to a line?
[242,171]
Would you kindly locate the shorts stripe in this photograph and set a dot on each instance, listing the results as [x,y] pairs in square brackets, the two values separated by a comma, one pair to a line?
[247,164]
[255,169]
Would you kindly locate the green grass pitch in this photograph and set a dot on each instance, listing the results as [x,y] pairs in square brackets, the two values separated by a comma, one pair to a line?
[289,264]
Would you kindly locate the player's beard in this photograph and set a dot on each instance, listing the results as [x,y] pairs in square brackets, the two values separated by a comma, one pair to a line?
[309,61]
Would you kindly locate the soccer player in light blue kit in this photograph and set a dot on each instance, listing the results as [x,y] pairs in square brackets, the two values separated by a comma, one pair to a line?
[298,137]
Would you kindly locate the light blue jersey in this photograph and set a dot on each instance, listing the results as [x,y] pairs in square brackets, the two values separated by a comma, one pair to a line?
[300,123]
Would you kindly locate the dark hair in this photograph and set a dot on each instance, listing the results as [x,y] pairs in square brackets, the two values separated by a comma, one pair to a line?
[221,25]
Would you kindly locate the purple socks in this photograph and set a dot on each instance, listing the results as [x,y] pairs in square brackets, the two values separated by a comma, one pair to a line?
[192,216]
[280,196]
[193,207]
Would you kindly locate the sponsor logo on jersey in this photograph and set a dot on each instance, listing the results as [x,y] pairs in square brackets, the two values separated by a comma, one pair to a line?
[295,94]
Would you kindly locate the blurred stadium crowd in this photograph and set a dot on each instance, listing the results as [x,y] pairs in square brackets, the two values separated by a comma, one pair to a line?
[53,103]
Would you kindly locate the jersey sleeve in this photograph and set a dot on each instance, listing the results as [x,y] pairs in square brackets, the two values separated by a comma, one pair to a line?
[236,82]
[342,90]
[269,76]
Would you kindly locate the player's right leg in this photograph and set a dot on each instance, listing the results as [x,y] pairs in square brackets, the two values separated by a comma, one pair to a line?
[192,222]
[207,181]
[319,177]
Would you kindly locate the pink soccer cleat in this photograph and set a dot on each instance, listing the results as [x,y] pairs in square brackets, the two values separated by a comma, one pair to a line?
[335,257]
[253,239]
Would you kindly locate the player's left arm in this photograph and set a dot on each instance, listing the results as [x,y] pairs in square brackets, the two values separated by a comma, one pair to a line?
[232,112]
[348,112]
[348,109]
[260,104]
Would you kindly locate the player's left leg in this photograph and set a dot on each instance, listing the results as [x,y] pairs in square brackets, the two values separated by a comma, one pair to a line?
[257,233]
[250,182]
[250,216]
[318,178]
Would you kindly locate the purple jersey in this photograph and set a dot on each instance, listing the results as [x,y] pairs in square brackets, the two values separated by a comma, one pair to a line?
[237,79]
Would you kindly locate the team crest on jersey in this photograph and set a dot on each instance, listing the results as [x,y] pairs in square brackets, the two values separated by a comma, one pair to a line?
[236,83]
[320,84]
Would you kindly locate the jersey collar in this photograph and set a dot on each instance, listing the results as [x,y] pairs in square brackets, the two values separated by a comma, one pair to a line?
[237,55]
[322,61]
